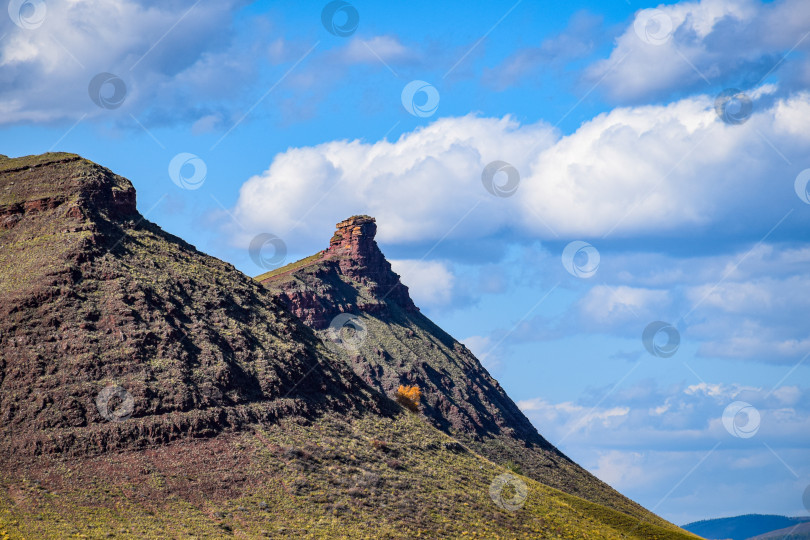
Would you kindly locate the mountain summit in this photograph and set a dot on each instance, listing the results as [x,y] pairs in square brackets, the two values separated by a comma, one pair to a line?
[352,282]
[94,297]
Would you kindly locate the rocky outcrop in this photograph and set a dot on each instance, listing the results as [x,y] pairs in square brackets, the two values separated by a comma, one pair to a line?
[352,261]
[92,296]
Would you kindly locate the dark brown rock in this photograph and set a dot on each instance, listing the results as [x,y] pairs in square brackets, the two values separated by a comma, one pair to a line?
[93,295]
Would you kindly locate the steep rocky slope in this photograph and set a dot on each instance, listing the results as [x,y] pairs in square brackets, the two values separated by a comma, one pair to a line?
[350,286]
[93,296]
[150,391]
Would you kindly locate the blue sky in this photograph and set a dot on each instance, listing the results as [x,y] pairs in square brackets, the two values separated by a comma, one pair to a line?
[613,121]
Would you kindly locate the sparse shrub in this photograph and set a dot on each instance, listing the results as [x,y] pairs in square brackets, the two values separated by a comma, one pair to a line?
[379,445]
[511,466]
[409,396]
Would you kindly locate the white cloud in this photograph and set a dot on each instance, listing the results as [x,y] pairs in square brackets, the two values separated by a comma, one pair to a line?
[430,282]
[624,470]
[713,43]
[49,68]
[376,49]
[672,169]
[608,306]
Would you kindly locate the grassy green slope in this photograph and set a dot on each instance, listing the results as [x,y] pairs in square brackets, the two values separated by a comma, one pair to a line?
[367,478]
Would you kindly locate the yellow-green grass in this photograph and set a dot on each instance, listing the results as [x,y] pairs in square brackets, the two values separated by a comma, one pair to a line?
[289,267]
[332,478]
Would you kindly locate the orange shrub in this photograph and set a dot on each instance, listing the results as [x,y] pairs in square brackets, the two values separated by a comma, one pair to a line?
[408,397]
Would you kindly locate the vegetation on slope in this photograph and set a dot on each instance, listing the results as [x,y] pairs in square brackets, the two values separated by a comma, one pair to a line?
[329,478]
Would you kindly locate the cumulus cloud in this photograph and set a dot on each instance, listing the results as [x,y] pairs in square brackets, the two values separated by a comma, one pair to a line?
[162,52]
[430,282]
[672,170]
[710,44]
[416,187]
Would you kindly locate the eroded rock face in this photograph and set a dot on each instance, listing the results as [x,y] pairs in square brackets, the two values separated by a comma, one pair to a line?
[93,295]
[354,237]
[352,261]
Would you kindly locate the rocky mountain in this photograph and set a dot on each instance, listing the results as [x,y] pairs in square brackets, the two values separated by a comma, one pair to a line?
[148,390]
[93,296]
[350,286]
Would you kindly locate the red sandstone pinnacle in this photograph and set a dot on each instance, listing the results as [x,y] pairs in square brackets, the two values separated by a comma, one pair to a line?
[354,237]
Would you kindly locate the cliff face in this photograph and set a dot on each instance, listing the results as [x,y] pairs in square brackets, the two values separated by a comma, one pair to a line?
[397,345]
[92,296]
[352,255]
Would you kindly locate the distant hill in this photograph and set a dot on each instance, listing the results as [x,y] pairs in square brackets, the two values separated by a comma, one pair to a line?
[745,527]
